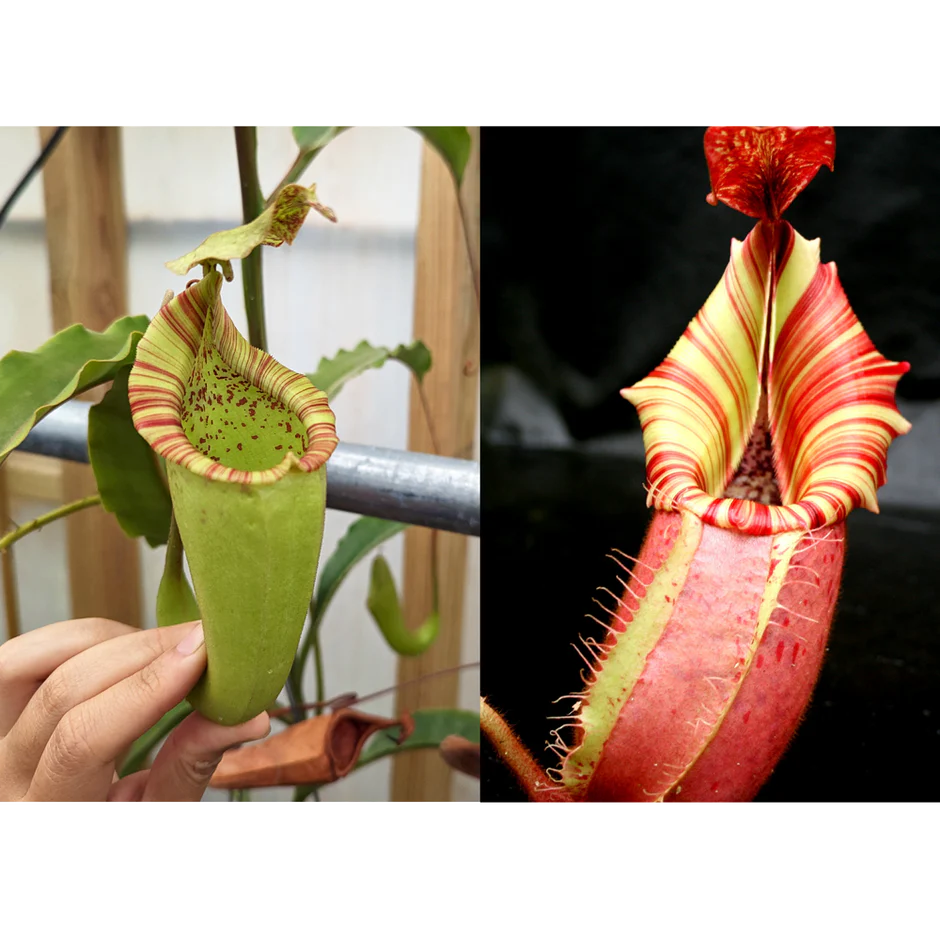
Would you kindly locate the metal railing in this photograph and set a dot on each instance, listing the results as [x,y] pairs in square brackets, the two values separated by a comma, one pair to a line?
[421,489]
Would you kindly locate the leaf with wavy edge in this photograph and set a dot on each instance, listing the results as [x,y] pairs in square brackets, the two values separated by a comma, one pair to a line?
[830,393]
[332,374]
[416,356]
[279,223]
[73,361]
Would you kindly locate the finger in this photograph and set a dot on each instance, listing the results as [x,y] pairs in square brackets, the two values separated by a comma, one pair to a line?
[129,789]
[27,661]
[185,764]
[79,679]
[79,759]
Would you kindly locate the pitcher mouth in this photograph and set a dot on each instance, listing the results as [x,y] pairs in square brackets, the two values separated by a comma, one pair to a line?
[755,479]
[775,363]
[195,428]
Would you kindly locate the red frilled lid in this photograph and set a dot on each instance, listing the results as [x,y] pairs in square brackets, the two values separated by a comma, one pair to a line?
[760,170]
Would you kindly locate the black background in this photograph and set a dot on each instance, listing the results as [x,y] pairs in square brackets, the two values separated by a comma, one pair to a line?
[599,248]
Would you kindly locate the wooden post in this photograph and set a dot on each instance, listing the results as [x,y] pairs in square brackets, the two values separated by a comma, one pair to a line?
[447,319]
[86,235]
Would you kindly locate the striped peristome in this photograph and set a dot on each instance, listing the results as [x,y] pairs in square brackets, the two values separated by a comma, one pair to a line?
[830,394]
[186,331]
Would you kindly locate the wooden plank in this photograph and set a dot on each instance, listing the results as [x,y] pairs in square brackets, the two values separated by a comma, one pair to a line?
[447,319]
[31,476]
[86,236]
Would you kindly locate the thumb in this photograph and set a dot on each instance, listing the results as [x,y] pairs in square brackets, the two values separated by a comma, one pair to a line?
[185,764]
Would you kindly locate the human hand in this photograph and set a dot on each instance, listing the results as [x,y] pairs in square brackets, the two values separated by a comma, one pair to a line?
[75,695]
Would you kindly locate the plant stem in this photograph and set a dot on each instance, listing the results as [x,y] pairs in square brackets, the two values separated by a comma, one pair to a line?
[37,165]
[295,680]
[426,407]
[40,521]
[283,713]
[139,753]
[11,601]
[301,794]
[297,673]
[318,665]
[473,252]
[246,146]
[350,699]
[303,159]
[294,696]
[436,446]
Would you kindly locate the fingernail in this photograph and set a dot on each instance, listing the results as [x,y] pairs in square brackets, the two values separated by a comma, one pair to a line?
[192,641]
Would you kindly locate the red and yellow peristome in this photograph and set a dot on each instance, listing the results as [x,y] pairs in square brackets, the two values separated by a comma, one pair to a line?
[767,423]
[192,361]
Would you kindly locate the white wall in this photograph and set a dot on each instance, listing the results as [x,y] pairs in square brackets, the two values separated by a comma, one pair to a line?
[333,287]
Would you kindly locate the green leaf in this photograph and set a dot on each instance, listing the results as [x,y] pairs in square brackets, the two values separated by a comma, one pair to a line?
[365,534]
[139,752]
[417,357]
[332,374]
[452,143]
[279,223]
[126,471]
[73,361]
[386,611]
[315,138]
[432,725]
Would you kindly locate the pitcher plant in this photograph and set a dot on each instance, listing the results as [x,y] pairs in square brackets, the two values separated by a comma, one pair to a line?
[764,427]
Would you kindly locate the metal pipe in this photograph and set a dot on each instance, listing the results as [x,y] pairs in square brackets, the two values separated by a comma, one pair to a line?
[421,489]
